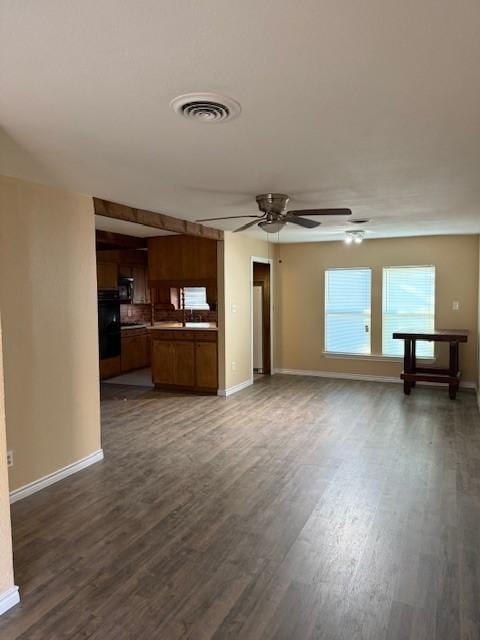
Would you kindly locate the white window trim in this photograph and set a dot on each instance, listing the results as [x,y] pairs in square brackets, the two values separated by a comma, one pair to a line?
[352,356]
[425,359]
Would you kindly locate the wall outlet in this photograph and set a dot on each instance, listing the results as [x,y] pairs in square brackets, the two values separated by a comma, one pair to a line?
[456,305]
[234,366]
[129,312]
[9,458]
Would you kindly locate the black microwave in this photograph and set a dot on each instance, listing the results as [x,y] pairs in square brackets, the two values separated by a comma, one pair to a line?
[125,289]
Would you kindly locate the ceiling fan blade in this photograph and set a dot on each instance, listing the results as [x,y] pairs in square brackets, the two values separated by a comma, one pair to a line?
[247,226]
[226,218]
[321,212]
[302,222]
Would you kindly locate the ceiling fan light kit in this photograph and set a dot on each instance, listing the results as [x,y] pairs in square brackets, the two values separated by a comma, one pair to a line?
[354,237]
[272,226]
[274,215]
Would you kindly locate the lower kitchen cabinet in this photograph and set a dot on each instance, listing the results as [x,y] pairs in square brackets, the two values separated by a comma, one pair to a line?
[135,349]
[162,361]
[110,367]
[185,360]
[206,364]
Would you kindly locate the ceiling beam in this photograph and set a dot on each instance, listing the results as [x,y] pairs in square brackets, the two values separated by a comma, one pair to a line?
[119,241]
[154,220]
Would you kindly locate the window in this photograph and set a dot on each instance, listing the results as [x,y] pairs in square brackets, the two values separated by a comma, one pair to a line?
[347,310]
[196,298]
[408,305]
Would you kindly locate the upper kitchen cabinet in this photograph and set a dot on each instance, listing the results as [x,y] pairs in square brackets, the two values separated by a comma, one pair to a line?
[182,259]
[141,289]
[107,275]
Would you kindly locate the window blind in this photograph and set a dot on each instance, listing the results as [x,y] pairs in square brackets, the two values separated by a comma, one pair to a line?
[196,298]
[408,305]
[347,310]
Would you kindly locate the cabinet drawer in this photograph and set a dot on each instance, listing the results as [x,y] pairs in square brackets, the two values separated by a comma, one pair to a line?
[172,335]
[133,333]
[205,336]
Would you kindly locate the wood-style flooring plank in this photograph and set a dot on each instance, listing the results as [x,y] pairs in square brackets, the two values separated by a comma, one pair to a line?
[298,509]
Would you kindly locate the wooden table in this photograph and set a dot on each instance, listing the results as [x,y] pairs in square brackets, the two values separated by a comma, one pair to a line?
[412,374]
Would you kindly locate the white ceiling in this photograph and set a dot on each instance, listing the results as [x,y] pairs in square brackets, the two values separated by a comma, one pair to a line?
[128,228]
[373,105]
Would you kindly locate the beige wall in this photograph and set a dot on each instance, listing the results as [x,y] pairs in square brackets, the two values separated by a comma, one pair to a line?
[478,327]
[238,251]
[300,294]
[48,302]
[6,560]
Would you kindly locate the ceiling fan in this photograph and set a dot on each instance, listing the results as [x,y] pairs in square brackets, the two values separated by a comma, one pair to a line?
[274,215]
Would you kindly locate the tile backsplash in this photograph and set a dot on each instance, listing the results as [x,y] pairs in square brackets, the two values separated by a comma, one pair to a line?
[143,313]
[135,313]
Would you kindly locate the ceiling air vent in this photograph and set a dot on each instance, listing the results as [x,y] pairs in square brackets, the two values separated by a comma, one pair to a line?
[206,107]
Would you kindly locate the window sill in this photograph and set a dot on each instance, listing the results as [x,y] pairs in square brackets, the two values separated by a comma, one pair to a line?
[372,357]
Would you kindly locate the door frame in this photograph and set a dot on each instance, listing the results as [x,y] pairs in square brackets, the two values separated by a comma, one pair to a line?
[268,261]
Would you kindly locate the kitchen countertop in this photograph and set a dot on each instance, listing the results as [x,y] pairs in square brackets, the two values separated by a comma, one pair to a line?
[190,326]
[127,327]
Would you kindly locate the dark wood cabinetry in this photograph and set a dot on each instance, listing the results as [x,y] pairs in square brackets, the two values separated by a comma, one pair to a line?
[107,275]
[182,259]
[206,364]
[141,290]
[128,264]
[135,349]
[185,360]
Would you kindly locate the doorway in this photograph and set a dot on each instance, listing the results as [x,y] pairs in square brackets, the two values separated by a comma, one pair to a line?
[261,318]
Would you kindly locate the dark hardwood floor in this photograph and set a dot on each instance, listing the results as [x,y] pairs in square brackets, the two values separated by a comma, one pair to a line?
[300,508]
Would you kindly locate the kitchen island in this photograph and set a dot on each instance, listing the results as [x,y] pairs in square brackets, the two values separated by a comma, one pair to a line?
[185,356]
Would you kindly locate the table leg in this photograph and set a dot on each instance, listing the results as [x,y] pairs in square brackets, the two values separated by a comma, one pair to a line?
[413,362]
[407,365]
[453,369]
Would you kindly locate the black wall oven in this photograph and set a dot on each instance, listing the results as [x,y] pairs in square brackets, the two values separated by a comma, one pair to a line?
[109,323]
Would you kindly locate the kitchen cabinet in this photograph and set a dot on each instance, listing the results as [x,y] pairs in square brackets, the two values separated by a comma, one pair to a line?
[206,364]
[141,290]
[107,275]
[110,367]
[185,359]
[173,363]
[162,362]
[135,349]
[182,259]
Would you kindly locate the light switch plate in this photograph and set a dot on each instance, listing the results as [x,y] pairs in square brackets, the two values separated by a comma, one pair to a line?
[234,308]
[456,305]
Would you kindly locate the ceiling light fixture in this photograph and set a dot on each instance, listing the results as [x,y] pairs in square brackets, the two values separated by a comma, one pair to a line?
[209,108]
[272,226]
[354,236]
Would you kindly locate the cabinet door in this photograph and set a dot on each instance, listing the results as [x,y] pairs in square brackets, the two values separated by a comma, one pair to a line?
[184,364]
[206,365]
[107,275]
[125,271]
[144,350]
[163,354]
[139,285]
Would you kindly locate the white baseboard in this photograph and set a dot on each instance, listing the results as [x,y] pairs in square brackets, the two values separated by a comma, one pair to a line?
[9,599]
[56,476]
[357,376]
[237,387]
